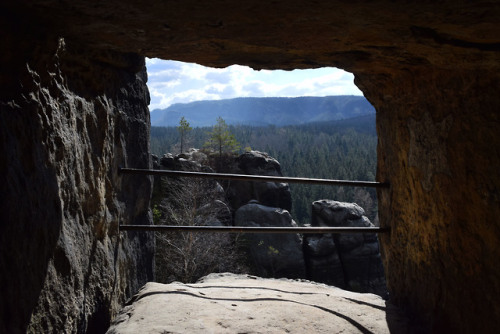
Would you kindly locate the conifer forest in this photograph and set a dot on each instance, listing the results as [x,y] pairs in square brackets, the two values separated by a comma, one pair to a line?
[344,150]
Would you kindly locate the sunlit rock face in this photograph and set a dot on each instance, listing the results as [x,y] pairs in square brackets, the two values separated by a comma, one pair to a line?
[431,71]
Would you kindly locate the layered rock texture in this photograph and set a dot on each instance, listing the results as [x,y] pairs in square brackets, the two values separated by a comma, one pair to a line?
[68,121]
[430,69]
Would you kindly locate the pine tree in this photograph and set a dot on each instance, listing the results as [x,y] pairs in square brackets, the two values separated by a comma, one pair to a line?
[183,129]
[221,139]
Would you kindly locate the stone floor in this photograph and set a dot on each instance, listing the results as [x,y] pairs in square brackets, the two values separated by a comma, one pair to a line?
[228,303]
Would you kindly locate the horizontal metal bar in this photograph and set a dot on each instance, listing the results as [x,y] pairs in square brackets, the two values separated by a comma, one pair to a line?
[255,178]
[251,229]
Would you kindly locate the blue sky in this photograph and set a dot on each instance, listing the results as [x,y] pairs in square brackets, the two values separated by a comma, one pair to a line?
[172,82]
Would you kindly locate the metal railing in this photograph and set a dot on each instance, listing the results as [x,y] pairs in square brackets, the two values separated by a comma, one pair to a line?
[253,178]
[252,229]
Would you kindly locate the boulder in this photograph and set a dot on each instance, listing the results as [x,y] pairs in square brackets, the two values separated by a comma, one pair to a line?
[167,160]
[350,261]
[271,255]
[271,194]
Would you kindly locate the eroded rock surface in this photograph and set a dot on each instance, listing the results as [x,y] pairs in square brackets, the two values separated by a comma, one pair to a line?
[72,122]
[227,303]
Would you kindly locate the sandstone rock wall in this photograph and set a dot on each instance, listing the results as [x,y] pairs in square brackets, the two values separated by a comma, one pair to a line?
[69,119]
[440,152]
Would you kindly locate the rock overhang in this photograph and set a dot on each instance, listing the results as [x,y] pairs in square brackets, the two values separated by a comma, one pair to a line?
[375,37]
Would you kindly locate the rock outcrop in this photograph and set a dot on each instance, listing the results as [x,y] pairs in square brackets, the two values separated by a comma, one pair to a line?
[271,255]
[207,195]
[431,70]
[349,261]
[192,160]
[237,193]
[184,201]
[272,194]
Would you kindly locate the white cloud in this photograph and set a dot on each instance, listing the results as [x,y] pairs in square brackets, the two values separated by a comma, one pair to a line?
[172,82]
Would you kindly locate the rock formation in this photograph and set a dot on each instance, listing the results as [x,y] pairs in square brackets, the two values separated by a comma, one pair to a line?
[272,194]
[348,261]
[193,160]
[238,193]
[75,119]
[184,201]
[265,204]
[271,255]
[431,70]
[207,195]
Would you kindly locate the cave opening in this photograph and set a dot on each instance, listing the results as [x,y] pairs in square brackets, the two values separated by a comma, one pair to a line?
[430,69]
[315,123]
[324,106]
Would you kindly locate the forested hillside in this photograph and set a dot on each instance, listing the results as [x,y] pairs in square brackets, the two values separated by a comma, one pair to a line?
[264,111]
[336,150]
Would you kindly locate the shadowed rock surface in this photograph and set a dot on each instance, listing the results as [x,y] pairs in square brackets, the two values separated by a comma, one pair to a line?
[228,303]
[271,255]
[431,70]
[210,192]
[65,265]
[348,261]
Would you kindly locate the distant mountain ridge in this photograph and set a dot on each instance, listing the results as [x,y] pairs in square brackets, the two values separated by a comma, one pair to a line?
[262,111]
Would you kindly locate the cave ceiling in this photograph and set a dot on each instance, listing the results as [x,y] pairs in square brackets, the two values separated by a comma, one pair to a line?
[355,35]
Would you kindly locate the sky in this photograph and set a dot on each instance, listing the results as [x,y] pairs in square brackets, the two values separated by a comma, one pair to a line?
[172,82]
